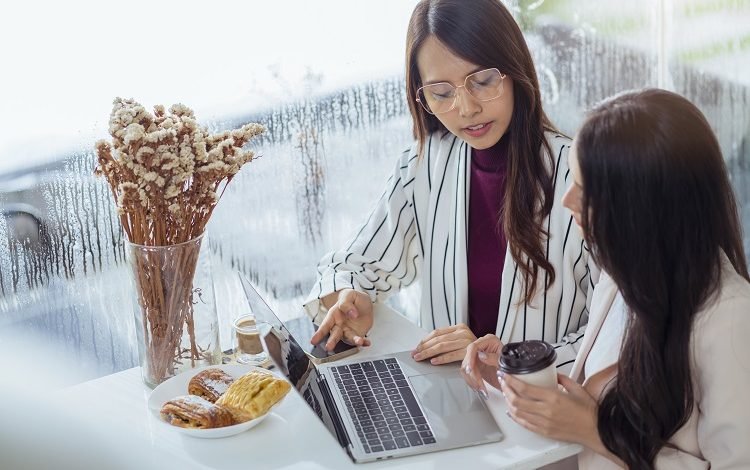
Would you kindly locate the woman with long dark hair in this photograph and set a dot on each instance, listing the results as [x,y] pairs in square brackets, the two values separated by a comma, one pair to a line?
[665,364]
[472,208]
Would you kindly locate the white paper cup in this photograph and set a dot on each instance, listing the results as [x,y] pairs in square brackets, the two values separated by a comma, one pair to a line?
[531,361]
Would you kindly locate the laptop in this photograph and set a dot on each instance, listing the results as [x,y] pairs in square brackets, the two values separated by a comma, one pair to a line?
[383,407]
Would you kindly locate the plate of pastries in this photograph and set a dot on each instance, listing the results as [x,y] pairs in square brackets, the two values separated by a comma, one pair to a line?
[217,401]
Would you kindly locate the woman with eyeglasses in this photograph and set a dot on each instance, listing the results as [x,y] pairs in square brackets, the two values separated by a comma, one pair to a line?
[472,209]
[665,363]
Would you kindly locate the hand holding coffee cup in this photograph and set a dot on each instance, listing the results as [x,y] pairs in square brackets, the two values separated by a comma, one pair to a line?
[531,361]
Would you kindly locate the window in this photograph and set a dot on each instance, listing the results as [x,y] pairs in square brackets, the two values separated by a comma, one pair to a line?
[326,77]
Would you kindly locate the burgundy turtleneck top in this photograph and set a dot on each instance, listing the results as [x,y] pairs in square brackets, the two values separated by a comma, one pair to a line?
[487,242]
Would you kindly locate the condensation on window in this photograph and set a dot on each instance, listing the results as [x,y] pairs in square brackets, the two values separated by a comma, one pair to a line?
[64,282]
[320,165]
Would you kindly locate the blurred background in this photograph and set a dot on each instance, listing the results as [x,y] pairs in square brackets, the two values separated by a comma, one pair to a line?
[326,77]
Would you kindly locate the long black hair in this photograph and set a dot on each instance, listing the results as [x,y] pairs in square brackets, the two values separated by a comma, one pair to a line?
[658,211]
[484,33]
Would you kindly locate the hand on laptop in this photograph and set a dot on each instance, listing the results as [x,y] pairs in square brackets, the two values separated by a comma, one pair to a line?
[480,363]
[349,319]
[444,345]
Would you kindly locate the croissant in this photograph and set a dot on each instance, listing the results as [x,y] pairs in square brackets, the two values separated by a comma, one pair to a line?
[191,411]
[253,394]
[210,384]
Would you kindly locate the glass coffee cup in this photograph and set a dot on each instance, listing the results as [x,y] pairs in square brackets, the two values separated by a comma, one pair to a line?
[532,361]
[248,345]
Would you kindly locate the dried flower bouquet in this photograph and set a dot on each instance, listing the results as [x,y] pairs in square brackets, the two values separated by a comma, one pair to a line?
[166,174]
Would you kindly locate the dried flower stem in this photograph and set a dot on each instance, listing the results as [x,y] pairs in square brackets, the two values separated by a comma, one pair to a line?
[164,278]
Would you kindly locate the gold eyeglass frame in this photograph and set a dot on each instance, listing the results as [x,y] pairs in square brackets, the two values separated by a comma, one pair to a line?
[455,97]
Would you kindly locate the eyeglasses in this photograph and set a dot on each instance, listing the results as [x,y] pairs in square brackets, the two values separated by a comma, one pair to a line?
[439,98]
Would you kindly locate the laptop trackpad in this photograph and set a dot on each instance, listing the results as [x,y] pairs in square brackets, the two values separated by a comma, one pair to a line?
[453,410]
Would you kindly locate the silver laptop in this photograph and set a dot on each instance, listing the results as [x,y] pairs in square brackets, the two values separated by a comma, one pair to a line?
[384,407]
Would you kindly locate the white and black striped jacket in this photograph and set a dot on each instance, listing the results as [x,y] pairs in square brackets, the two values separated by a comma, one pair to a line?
[419,229]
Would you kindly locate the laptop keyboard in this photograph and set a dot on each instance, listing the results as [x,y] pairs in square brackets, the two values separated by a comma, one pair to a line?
[382,406]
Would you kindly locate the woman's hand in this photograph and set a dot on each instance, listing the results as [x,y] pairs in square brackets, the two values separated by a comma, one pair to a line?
[480,363]
[444,345]
[348,319]
[566,415]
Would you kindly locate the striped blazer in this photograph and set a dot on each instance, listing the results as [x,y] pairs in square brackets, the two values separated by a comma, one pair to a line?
[419,229]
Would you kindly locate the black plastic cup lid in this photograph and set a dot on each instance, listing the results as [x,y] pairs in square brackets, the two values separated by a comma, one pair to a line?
[526,357]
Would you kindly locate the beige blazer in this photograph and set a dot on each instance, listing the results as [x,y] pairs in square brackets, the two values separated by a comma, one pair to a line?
[717,434]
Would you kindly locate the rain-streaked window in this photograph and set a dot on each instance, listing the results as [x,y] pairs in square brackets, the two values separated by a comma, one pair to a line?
[326,78]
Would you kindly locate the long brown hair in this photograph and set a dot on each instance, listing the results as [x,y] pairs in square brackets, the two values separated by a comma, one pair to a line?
[484,33]
[658,211]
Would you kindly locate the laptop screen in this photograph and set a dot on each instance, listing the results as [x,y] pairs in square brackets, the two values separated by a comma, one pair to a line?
[284,350]
[292,361]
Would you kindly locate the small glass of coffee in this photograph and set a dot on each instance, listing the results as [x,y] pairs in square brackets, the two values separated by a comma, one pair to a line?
[248,347]
[532,361]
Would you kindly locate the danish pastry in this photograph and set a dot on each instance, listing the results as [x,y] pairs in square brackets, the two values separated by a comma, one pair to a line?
[253,394]
[210,384]
[192,411]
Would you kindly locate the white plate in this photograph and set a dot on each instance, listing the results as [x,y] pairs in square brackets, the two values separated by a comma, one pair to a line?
[178,385]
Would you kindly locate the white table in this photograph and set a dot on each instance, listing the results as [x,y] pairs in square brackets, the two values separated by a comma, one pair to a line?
[293,436]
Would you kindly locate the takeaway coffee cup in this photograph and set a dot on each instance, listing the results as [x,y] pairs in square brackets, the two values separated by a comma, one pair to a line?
[532,361]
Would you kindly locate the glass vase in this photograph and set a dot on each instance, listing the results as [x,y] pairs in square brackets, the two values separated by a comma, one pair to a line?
[176,322]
